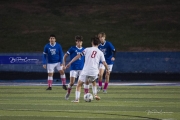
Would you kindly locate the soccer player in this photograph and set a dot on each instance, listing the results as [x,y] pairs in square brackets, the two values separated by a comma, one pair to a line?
[109,53]
[52,56]
[90,70]
[77,66]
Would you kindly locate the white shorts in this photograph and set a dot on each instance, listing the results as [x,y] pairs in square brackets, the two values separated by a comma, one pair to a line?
[75,73]
[50,67]
[83,78]
[101,66]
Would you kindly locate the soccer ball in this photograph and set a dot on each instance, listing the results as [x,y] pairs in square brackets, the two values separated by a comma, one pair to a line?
[88,97]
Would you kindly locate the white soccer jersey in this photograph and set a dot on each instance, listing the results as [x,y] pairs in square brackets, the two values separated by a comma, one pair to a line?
[92,58]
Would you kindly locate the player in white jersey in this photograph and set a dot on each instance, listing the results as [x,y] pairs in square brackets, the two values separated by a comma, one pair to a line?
[91,68]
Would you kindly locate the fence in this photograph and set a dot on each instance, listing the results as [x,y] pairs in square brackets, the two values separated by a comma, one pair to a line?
[131,65]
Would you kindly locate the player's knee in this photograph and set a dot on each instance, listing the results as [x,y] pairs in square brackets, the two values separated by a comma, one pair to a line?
[107,76]
[50,74]
[71,84]
[79,85]
[100,75]
[61,72]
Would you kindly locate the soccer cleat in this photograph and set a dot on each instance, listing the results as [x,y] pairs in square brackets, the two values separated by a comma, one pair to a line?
[75,101]
[49,88]
[67,96]
[64,87]
[99,89]
[97,97]
[104,91]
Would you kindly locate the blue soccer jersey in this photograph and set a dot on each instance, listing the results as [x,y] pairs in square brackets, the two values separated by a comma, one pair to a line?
[107,48]
[52,54]
[78,64]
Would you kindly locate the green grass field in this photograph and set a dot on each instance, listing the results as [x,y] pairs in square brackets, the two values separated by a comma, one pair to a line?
[121,103]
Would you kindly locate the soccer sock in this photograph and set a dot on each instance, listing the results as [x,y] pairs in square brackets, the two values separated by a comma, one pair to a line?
[94,90]
[100,83]
[86,88]
[69,88]
[50,80]
[105,85]
[92,87]
[63,79]
[77,95]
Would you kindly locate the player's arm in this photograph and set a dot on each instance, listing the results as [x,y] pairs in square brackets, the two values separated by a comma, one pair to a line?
[114,55]
[64,59]
[74,59]
[113,51]
[61,54]
[66,55]
[106,66]
[104,63]
[44,57]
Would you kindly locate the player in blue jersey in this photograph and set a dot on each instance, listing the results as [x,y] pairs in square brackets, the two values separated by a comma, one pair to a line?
[52,57]
[77,66]
[109,52]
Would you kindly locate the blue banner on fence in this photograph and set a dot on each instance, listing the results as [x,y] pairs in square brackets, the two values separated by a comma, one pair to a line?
[20,59]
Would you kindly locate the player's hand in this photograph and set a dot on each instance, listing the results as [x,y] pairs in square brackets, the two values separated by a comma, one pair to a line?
[108,72]
[64,67]
[44,66]
[67,66]
[112,59]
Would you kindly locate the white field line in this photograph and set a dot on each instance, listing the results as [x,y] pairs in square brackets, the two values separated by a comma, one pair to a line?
[111,84]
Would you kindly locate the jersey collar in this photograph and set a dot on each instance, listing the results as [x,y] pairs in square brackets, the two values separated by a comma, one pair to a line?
[78,48]
[52,45]
[104,43]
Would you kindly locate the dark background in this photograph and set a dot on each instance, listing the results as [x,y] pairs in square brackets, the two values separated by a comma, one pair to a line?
[131,25]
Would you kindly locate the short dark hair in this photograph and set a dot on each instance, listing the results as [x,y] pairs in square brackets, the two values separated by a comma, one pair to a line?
[52,35]
[95,40]
[78,37]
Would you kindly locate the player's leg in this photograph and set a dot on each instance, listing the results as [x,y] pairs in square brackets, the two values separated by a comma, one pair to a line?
[73,76]
[86,88]
[69,88]
[86,85]
[94,89]
[107,76]
[50,81]
[50,70]
[78,91]
[63,79]
[100,78]
[78,88]
[62,75]
[92,79]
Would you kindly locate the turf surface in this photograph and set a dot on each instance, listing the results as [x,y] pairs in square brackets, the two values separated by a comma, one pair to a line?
[121,102]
